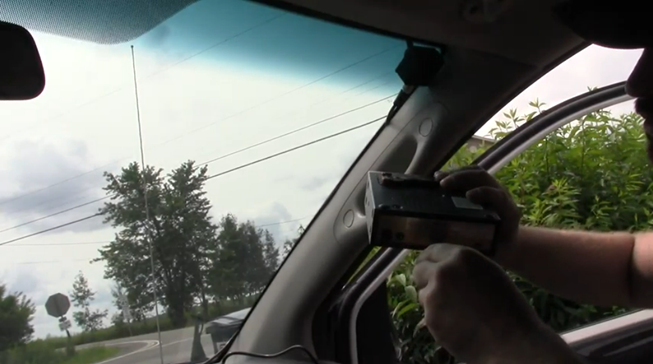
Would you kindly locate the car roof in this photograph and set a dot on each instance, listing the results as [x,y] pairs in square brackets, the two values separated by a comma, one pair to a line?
[231,318]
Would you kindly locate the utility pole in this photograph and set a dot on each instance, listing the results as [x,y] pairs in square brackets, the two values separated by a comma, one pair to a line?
[147,209]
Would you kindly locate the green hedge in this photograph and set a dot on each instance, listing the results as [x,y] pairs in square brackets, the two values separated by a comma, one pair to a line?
[592,174]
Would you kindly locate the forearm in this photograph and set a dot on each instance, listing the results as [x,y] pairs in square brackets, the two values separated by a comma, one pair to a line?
[583,266]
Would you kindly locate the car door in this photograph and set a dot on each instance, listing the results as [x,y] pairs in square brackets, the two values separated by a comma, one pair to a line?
[627,338]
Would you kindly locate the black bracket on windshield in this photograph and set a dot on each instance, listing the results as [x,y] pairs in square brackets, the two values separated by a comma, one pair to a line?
[418,67]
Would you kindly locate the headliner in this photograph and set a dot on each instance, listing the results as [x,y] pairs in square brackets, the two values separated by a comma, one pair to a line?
[524,30]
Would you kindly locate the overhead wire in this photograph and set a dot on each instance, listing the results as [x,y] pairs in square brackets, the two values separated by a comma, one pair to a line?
[200,128]
[295,131]
[62,244]
[50,229]
[295,148]
[78,195]
[54,261]
[221,157]
[109,241]
[330,136]
[276,97]
[321,121]
[166,68]
[54,214]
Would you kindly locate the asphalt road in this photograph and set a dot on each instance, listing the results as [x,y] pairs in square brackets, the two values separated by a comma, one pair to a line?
[144,349]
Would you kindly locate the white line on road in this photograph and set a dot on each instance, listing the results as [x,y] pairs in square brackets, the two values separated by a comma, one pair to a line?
[176,342]
[149,344]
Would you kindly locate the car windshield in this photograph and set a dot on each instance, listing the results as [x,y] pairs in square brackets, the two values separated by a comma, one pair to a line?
[248,117]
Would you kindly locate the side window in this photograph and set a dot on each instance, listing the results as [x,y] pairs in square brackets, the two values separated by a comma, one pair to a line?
[592,174]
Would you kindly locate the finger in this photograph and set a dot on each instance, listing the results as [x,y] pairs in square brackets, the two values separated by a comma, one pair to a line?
[465,180]
[440,175]
[495,199]
[436,253]
[423,294]
[422,273]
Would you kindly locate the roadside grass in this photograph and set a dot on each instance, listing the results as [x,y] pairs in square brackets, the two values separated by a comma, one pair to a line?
[42,352]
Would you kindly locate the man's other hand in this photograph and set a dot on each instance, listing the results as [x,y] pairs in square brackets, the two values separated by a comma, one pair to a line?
[483,189]
[473,309]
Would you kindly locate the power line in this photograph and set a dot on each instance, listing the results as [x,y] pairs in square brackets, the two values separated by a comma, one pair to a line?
[212,176]
[54,214]
[110,241]
[214,159]
[122,88]
[202,127]
[320,121]
[94,100]
[275,97]
[296,130]
[54,261]
[221,157]
[49,229]
[294,148]
[63,244]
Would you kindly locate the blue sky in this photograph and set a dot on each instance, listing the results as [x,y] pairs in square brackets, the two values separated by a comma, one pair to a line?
[217,77]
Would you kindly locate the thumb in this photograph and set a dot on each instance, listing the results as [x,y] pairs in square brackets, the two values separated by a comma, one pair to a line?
[492,198]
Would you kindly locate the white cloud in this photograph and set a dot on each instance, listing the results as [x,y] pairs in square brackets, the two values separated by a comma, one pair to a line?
[593,67]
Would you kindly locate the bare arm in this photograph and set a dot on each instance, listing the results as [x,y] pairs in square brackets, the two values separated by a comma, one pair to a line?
[588,267]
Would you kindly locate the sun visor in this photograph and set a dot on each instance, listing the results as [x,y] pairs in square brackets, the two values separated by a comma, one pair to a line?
[624,24]
[99,21]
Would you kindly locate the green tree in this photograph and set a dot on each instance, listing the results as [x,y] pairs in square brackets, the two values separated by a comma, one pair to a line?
[591,174]
[179,231]
[16,314]
[227,273]
[290,243]
[245,259]
[270,254]
[82,296]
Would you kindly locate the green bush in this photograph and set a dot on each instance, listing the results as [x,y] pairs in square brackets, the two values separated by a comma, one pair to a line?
[35,352]
[592,174]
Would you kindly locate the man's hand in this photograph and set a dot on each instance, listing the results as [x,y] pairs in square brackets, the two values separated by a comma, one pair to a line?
[482,188]
[473,310]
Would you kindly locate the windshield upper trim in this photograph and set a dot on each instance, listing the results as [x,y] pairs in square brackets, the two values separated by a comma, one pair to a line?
[304,11]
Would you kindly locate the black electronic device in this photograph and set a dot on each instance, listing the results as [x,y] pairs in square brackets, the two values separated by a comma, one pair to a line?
[413,212]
